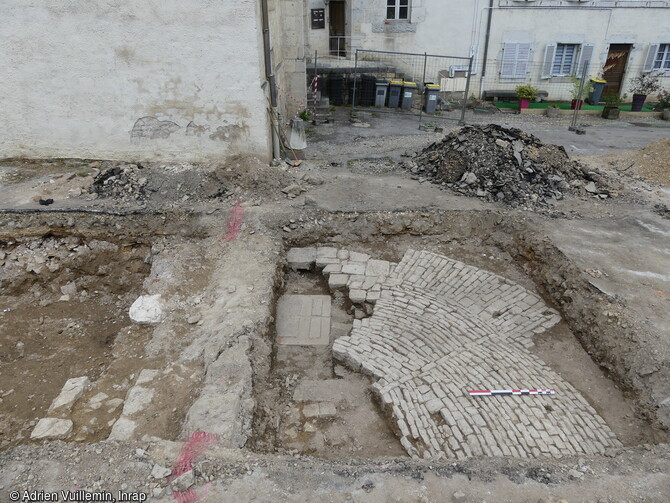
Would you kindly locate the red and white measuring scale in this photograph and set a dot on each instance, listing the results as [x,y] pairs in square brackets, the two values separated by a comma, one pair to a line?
[489,392]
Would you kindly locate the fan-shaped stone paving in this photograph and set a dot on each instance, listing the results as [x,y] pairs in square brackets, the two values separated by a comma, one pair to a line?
[440,328]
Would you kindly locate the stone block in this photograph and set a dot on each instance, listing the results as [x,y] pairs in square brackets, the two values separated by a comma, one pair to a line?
[357,296]
[353,268]
[377,268]
[320,409]
[72,390]
[337,281]
[147,309]
[49,428]
[301,259]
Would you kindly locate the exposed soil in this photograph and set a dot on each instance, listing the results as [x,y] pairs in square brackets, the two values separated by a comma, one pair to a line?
[218,286]
[64,314]
[651,162]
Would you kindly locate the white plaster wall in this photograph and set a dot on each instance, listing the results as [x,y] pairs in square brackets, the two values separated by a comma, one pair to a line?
[457,27]
[288,55]
[600,27]
[77,76]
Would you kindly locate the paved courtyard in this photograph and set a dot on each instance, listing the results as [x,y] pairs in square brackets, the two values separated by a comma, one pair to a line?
[440,328]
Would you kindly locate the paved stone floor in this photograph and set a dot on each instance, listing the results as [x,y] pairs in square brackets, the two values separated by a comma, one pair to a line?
[303,320]
[440,328]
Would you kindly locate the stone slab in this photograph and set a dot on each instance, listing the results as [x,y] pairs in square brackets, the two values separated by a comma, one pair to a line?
[49,428]
[72,390]
[301,259]
[303,320]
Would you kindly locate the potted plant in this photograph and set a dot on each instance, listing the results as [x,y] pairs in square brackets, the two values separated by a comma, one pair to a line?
[641,87]
[664,104]
[553,111]
[612,102]
[525,93]
[577,97]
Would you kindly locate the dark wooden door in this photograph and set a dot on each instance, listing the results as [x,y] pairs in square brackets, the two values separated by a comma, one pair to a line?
[615,68]
[338,46]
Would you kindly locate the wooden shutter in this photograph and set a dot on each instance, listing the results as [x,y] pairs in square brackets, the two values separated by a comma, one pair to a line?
[585,55]
[651,57]
[548,64]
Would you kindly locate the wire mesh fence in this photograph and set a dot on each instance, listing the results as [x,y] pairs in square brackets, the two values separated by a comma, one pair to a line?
[399,82]
[444,87]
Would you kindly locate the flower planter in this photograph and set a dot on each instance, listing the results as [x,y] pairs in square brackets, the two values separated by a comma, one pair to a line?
[611,113]
[575,105]
[638,102]
[666,114]
[553,113]
[523,103]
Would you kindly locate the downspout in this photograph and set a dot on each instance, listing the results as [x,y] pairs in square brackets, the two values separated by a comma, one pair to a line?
[269,75]
[486,49]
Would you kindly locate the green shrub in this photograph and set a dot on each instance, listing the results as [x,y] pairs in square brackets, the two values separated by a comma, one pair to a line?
[526,92]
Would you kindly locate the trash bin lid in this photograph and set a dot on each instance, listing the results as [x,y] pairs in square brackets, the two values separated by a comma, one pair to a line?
[382,82]
[409,84]
[432,86]
[396,82]
[600,81]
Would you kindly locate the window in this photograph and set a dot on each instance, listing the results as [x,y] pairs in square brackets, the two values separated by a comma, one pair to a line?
[662,60]
[564,59]
[397,9]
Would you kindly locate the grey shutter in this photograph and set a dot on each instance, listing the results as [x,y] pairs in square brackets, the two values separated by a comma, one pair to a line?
[508,60]
[474,54]
[522,60]
[586,54]
[548,64]
[651,56]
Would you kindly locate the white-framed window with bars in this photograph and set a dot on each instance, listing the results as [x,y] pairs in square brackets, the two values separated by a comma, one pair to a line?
[397,9]
[564,59]
[662,59]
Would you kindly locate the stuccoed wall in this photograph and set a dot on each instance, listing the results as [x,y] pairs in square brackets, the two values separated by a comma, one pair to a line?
[121,79]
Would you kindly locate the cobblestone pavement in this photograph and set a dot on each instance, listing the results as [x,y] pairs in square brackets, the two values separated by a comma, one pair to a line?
[440,328]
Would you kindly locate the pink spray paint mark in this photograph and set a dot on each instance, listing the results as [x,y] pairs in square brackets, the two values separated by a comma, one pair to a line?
[235,222]
[196,443]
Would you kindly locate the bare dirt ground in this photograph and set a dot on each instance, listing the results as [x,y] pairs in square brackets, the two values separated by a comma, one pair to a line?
[71,270]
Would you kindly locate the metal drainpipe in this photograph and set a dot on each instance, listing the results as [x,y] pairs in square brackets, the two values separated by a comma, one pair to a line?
[486,50]
[269,75]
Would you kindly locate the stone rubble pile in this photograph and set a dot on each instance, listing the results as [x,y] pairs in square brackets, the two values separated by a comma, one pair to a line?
[506,165]
[124,181]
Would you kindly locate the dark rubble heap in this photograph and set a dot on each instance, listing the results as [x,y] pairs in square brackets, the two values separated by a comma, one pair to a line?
[506,165]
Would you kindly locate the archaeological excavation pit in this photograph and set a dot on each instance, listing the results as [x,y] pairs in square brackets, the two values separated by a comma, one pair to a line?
[377,343]
[79,356]
[359,340]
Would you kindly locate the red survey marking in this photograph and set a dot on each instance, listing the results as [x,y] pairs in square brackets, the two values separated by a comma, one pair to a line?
[662,294]
[235,221]
[490,392]
[196,444]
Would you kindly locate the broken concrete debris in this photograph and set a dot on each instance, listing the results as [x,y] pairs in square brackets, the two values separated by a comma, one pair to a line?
[505,165]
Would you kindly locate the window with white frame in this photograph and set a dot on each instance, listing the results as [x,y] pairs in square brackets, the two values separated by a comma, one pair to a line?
[397,9]
[565,59]
[662,60]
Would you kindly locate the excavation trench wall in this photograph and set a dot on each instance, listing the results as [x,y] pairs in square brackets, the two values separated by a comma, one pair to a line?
[607,330]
